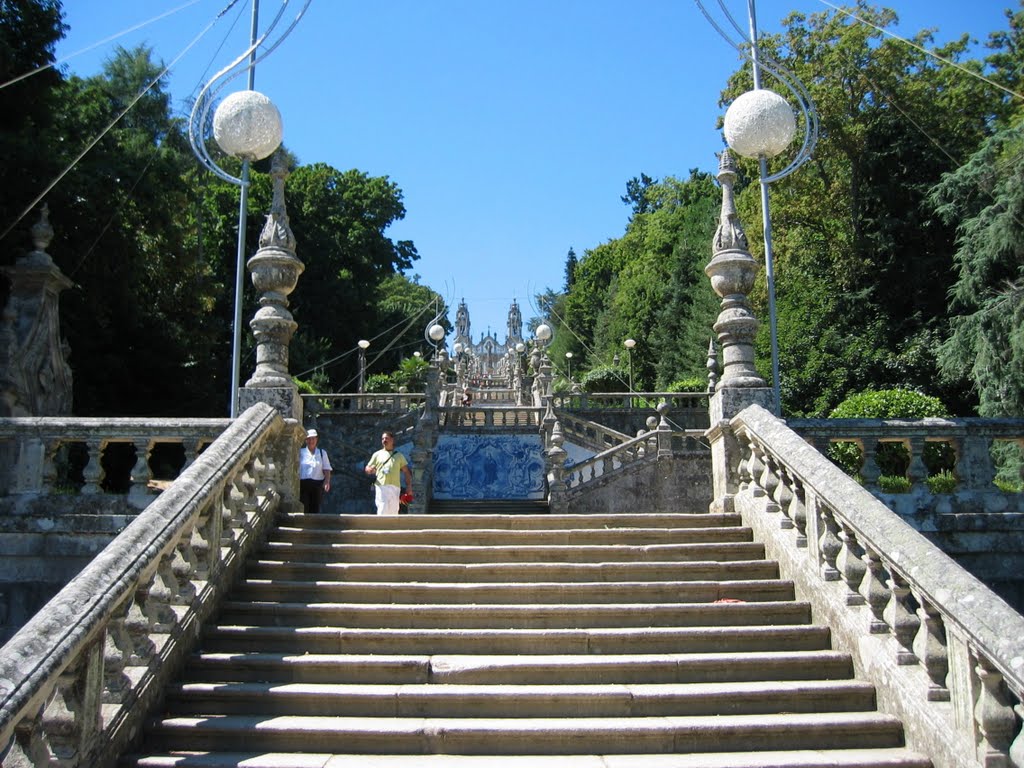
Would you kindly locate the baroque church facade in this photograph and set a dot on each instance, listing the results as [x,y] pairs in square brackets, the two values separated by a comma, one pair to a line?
[487,357]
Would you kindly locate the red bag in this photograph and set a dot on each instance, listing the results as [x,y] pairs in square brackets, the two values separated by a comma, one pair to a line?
[405,498]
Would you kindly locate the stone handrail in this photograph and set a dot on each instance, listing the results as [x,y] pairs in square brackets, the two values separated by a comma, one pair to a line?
[945,653]
[971,440]
[490,417]
[677,401]
[77,681]
[34,443]
[590,434]
[640,448]
[344,402]
[493,395]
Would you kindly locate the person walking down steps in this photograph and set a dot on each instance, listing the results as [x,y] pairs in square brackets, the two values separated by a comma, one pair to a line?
[389,466]
[314,474]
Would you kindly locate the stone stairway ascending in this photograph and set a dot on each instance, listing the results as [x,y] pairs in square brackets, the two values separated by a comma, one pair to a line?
[661,641]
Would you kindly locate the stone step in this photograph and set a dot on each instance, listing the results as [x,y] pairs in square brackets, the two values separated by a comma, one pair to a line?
[515,701]
[737,570]
[581,669]
[486,537]
[246,638]
[515,736]
[637,592]
[384,553]
[485,506]
[885,757]
[509,522]
[525,616]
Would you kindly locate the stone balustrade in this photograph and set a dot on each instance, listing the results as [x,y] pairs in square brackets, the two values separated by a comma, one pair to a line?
[971,440]
[946,654]
[377,402]
[78,679]
[677,401]
[604,463]
[94,456]
[589,434]
[489,418]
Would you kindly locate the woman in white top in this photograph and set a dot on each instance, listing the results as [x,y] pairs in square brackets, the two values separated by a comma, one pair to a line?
[314,474]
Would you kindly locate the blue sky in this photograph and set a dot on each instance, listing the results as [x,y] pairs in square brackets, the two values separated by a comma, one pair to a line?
[511,127]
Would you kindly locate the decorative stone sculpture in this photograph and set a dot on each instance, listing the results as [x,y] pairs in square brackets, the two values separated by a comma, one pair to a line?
[275,271]
[35,378]
[732,270]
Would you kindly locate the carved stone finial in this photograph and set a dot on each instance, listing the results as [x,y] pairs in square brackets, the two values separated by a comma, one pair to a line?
[712,365]
[42,232]
[277,232]
[275,271]
[732,270]
[729,234]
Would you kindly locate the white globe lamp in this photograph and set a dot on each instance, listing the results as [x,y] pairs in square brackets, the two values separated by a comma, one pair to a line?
[759,123]
[248,125]
[543,332]
[436,332]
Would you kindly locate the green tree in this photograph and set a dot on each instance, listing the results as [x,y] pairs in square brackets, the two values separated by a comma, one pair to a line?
[850,224]
[986,343]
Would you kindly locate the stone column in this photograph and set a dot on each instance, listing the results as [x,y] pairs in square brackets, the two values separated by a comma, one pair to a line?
[732,271]
[275,271]
[35,378]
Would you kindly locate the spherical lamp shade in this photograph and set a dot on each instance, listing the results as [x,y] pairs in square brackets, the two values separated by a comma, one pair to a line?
[436,332]
[543,332]
[247,124]
[759,123]
[363,343]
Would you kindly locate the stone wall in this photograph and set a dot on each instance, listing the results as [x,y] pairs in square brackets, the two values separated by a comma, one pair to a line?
[672,484]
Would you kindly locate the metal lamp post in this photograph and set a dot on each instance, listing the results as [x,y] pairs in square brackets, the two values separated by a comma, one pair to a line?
[363,345]
[629,344]
[248,126]
[761,124]
[568,363]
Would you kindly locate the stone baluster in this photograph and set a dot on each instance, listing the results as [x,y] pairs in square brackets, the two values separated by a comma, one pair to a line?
[903,623]
[798,513]
[1017,747]
[874,590]
[755,469]
[185,567]
[931,648]
[163,593]
[869,470]
[141,473]
[93,471]
[829,545]
[117,654]
[994,717]
[851,565]
[72,718]
[49,470]
[784,498]
[233,511]
[139,629]
[712,366]
[206,539]
[916,471]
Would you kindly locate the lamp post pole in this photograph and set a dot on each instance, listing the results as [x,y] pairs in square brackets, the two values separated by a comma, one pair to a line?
[363,345]
[568,363]
[629,344]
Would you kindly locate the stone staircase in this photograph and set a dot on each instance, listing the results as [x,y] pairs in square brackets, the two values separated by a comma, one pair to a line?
[463,641]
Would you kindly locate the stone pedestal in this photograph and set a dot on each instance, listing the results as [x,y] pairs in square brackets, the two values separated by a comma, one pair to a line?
[286,400]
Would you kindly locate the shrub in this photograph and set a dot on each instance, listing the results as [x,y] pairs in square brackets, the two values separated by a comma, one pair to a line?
[893,484]
[692,384]
[605,379]
[379,382]
[942,482]
[893,459]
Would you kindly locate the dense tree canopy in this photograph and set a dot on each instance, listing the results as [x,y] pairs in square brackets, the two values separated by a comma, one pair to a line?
[149,238]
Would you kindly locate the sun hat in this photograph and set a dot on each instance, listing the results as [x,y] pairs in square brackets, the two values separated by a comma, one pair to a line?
[311,433]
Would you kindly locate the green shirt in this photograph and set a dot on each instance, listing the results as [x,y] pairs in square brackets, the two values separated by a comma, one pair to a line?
[389,466]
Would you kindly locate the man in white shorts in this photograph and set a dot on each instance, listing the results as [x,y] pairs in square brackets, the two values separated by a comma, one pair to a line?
[389,466]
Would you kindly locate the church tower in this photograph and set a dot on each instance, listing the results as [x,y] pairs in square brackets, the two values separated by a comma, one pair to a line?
[462,326]
[515,325]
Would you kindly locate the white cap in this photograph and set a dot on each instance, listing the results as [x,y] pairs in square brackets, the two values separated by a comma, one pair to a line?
[310,433]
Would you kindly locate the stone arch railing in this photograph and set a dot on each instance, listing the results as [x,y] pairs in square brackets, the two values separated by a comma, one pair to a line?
[946,654]
[77,681]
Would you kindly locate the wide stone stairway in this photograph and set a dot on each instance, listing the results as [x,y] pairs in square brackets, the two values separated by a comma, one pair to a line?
[622,641]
